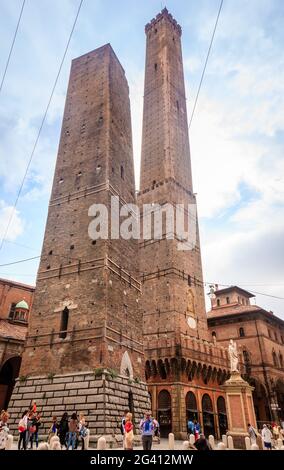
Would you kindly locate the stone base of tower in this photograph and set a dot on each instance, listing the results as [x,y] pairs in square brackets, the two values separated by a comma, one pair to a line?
[101,396]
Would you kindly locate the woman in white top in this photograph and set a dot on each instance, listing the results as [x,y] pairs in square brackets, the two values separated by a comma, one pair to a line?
[266,437]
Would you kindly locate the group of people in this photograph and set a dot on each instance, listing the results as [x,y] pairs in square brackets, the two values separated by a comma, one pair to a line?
[149,427]
[28,428]
[269,434]
[71,432]
[193,427]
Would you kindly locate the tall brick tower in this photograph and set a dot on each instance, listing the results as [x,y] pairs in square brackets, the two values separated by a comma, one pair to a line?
[85,331]
[175,325]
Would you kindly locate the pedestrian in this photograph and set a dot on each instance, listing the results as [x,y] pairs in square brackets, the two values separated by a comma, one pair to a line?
[202,443]
[63,429]
[4,430]
[266,437]
[147,428]
[36,423]
[157,430]
[22,428]
[129,436]
[122,426]
[252,433]
[53,428]
[73,430]
[190,427]
[197,430]
[83,430]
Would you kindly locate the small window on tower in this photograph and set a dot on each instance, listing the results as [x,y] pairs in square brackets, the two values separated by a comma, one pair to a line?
[177,105]
[228,300]
[218,302]
[189,280]
[122,172]
[64,323]
[156,66]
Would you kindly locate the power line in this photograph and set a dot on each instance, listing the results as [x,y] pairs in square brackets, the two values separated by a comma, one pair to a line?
[12,46]
[41,126]
[19,261]
[206,61]
[204,283]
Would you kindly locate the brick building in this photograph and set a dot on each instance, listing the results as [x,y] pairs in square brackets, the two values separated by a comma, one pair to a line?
[184,370]
[260,338]
[15,303]
[85,331]
[109,312]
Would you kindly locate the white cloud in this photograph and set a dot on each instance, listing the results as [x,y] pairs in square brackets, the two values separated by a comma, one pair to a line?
[17,223]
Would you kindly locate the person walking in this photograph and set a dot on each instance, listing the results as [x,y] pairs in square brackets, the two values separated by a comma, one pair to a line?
[266,437]
[63,429]
[83,430]
[122,426]
[22,427]
[197,430]
[36,423]
[73,430]
[129,435]
[190,427]
[4,430]
[53,428]
[147,428]
[252,434]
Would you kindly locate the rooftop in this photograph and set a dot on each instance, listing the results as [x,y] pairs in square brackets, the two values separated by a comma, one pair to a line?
[17,284]
[227,290]
[164,14]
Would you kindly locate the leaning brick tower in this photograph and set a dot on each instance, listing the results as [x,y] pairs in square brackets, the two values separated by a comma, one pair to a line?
[179,357]
[84,349]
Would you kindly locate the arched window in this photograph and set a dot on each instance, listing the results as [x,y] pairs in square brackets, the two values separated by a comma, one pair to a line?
[222,415]
[164,412]
[218,302]
[281,360]
[64,323]
[214,336]
[191,407]
[275,336]
[208,415]
[241,332]
[228,300]
[207,403]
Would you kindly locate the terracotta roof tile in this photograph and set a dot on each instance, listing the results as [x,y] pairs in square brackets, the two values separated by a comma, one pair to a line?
[10,330]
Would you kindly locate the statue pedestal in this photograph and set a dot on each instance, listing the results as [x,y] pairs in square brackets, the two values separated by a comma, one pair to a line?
[240,410]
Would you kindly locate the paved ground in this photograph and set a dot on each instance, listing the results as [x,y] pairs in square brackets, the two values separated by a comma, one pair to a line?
[163,445]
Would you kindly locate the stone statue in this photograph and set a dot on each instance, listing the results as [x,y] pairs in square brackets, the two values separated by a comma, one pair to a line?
[234,358]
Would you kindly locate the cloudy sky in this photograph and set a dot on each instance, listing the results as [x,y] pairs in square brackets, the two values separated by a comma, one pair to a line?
[236,137]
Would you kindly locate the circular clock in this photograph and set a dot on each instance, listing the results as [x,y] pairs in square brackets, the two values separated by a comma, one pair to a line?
[191,322]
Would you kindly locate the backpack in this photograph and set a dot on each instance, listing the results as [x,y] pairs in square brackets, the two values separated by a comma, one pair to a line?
[122,424]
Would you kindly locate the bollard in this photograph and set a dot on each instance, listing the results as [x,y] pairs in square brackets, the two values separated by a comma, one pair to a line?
[279,443]
[225,440]
[230,443]
[191,439]
[9,442]
[87,440]
[185,445]
[221,446]
[101,443]
[247,443]
[171,441]
[254,447]
[211,441]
